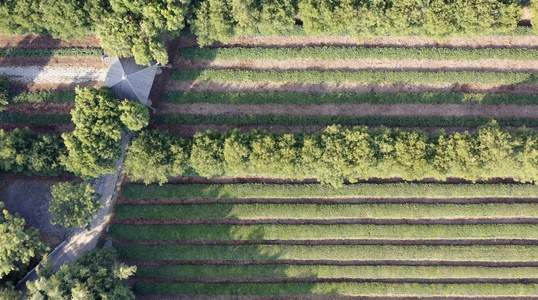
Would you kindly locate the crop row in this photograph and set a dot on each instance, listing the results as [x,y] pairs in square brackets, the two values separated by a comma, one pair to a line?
[35,119]
[390,190]
[330,211]
[43,96]
[484,253]
[332,271]
[312,76]
[62,52]
[289,120]
[329,53]
[340,288]
[224,232]
[373,98]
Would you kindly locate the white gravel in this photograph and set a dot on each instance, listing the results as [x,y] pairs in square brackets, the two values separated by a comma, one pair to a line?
[55,74]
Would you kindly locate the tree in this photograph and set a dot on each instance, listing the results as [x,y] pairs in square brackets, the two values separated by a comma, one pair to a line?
[155,155]
[207,157]
[66,19]
[8,292]
[4,92]
[18,245]
[73,204]
[94,146]
[134,115]
[96,275]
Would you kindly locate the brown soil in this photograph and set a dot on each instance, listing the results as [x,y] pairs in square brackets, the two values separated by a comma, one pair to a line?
[407,42]
[95,62]
[53,86]
[38,128]
[356,110]
[40,108]
[344,87]
[33,41]
[492,65]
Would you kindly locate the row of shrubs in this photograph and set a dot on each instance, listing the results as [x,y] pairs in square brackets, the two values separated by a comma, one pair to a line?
[336,155]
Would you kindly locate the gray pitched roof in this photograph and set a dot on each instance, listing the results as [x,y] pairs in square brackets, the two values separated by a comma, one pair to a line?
[129,80]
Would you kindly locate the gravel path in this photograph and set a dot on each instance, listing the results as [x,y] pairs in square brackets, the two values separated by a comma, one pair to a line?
[65,75]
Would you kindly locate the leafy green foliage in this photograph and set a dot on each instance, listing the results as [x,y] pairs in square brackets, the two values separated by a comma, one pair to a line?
[66,19]
[96,275]
[534,15]
[136,27]
[313,76]
[154,155]
[73,205]
[22,151]
[20,17]
[337,155]
[4,92]
[44,96]
[18,245]
[8,292]
[134,115]
[94,145]
[43,52]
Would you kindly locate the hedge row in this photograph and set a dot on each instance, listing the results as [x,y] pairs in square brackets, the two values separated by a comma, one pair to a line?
[35,119]
[373,98]
[267,211]
[22,151]
[287,120]
[360,190]
[43,96]
[331,271]
[378,77]
[339,288]
[495,253]
[284,232]
[62,52]
[329,53]
[338,154]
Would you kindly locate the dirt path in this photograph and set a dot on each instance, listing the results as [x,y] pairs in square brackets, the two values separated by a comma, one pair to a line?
[356,110]
[21,87]
[492,65]
[407,42]
[41,108]
[344,87]
[33,41]
[95,62]
[38,128]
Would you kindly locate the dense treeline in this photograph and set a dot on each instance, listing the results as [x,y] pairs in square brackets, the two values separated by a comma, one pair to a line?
[339,154]
[137,27]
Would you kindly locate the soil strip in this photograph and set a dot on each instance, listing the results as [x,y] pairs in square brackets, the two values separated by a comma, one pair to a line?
[530,42]
[356,110]
[33,41]
[30,87]
[344,87]
[63,108]
[40,128]
[426,65]
[95,62]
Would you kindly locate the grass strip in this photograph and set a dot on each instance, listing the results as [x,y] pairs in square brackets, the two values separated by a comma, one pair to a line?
[225,232]
[329,271]
[339,288]
[329,53]
[35,119]
[389,190]
[288,120]
[329,211]
[501,253]
[62,52]
[44,96]
[313,76]
[373,98]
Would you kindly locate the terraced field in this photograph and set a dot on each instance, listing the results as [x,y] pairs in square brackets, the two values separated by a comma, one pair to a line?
[247,239]
[302,84]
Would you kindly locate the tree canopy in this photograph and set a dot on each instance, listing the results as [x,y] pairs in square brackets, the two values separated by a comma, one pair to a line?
[73,204]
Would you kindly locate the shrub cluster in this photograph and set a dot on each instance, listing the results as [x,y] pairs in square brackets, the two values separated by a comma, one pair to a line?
[336,154]
[22,151]
[62,52]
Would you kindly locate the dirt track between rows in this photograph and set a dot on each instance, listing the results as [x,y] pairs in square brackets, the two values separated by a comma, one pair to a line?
[40,108]
[485,65]
[356,110]
[407,42]
[40,128]
[95,62]
[33,41]
[344,87]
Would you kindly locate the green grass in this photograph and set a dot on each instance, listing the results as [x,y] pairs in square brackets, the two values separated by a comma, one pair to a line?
[329,211]
[329,53]
[329,271]
[506,253]
[288,120]
[390,190]
[35,119]
[312,76]
[339,288]
[43,96]
[62,52]
[373,98]
[225,232]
